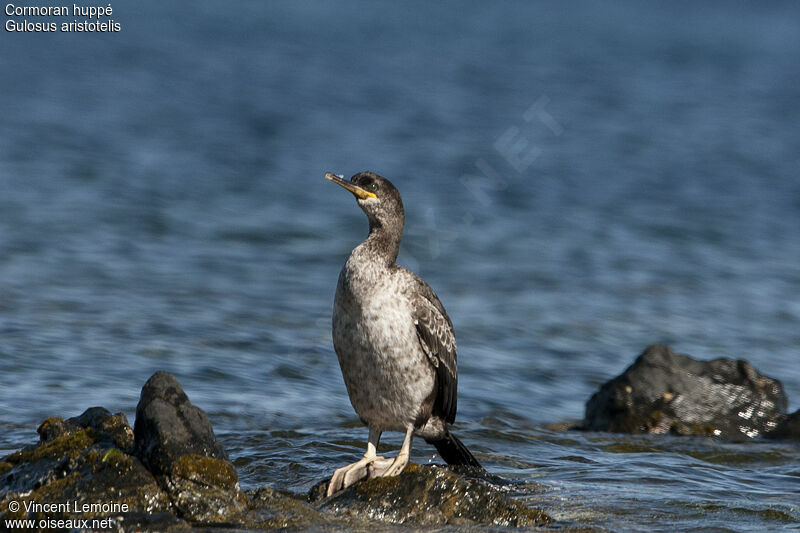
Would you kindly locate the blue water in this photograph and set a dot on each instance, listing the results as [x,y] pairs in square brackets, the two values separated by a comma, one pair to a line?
[579,182]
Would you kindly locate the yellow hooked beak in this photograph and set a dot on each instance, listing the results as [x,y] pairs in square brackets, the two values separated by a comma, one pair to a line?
[361,194]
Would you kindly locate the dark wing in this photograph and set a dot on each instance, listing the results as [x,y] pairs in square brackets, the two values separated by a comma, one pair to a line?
[435,333]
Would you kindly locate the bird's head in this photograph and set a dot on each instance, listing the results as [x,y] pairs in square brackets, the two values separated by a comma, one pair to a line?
[377,197]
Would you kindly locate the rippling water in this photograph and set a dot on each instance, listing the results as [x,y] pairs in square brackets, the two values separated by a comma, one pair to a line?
[579,182]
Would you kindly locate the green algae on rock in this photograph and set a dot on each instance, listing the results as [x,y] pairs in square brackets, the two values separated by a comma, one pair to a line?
[67,466]
[431,496]
[204,489]
[172,474]
[176,441]
[271,509]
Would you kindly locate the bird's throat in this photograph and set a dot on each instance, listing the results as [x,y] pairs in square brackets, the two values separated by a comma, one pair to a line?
[381,246]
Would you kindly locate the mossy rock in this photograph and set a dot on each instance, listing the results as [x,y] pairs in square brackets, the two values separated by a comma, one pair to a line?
[271,509]
[69,444]
[432,496]
[76,464]
[204,489]
[206,470]
[88,459]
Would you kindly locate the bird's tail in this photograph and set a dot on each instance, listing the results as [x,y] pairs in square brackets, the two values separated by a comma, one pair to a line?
[453,450]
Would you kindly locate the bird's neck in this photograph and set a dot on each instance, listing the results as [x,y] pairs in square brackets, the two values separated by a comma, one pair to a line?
[382,244]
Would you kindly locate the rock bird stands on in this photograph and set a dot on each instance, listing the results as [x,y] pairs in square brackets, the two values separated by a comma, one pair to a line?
[394,340]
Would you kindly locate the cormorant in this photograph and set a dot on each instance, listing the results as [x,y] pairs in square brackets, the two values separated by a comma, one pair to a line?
[394,341]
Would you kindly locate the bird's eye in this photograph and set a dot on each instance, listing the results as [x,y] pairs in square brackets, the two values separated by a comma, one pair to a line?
[373,186]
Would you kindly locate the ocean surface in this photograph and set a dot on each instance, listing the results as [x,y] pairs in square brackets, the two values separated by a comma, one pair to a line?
[580,182]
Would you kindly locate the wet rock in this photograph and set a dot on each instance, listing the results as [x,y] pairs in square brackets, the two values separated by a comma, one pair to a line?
[788,428]
[175,440]
[114,428]
[271,509]
[77,462]
[138,521]
[664,392]
[168,426]
[430,496]
[170,473]
[167,473]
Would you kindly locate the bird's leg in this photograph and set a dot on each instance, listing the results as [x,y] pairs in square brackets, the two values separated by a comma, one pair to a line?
[347,475]
[401,460]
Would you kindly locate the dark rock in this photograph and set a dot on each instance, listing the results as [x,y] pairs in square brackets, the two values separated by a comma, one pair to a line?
[52,428]
[81,460]
[788,428]
[111,429]
[271,509]
[161,522]
[171,474]
[115,428]
[174,439]
[168,426]
[665,392]
[430,496]
[168,472]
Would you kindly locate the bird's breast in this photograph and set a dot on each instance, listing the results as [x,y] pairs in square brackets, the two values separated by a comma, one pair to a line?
[373,316]
[384,368]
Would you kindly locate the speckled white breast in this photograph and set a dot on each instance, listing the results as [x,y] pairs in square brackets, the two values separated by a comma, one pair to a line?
[385,370]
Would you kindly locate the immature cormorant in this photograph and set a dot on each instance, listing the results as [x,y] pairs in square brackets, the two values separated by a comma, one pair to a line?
[394,340]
